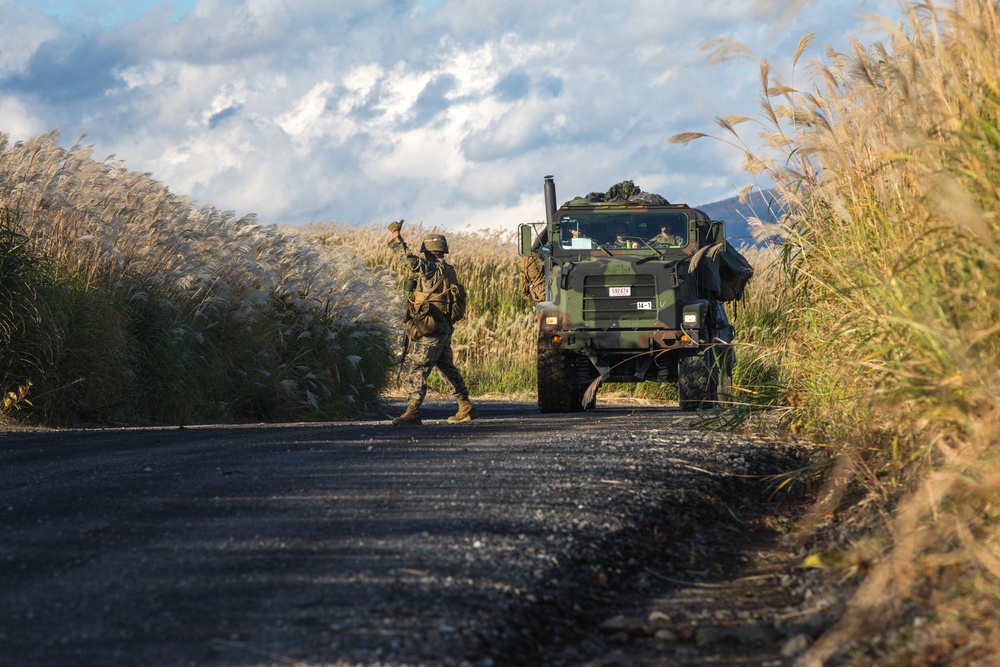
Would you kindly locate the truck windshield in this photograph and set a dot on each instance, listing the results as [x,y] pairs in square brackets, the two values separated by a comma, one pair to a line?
[621,230]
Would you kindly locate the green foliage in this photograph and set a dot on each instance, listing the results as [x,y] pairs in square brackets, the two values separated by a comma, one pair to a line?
[15,400]
[23,277]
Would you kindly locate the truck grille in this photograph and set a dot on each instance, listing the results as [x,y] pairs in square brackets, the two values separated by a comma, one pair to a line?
[605,310]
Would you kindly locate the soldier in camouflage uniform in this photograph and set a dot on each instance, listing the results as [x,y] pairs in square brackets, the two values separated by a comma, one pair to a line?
[666,237]
[431,350]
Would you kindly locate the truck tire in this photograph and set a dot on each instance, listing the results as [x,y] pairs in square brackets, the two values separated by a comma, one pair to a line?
[698,381]
[556,390]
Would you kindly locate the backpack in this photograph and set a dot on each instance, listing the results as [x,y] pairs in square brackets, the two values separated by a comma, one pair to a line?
[441,301]
[448,294]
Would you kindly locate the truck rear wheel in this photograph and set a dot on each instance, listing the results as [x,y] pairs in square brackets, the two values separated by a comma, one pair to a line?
[557,389]
[698,381]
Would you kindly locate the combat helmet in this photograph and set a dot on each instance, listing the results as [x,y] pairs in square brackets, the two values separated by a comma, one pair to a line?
[434,243]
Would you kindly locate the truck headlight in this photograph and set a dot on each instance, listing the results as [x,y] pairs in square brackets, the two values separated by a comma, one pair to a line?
[693,315]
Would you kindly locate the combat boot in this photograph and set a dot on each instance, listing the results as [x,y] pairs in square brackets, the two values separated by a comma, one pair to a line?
[466,412]
[411,416]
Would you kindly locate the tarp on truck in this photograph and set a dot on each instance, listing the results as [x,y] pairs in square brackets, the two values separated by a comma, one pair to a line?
[723,270]
[734,273]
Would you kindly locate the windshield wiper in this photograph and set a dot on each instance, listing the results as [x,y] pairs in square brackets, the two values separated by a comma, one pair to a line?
[646,243]
[603,246]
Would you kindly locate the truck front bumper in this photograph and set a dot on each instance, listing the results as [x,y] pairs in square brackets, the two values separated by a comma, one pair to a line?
[618,340]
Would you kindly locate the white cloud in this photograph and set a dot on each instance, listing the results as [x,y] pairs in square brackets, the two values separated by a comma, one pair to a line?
[305,121]
[23,33]
[17,120]
[448,113]
[421,156]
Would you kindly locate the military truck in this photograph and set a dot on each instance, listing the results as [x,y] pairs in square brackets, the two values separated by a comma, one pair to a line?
[634,288]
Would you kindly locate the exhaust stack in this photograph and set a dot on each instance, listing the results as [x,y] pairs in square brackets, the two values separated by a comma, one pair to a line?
[550,201]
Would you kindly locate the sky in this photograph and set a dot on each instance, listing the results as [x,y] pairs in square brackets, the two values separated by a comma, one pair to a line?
[447,113]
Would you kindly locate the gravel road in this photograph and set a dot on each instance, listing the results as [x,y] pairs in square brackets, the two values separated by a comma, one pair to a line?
[616,537]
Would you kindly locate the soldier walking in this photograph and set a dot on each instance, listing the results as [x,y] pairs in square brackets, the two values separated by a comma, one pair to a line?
[433,307]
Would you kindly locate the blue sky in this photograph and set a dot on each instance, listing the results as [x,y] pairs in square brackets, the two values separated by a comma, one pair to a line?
[445,112]
[109,13]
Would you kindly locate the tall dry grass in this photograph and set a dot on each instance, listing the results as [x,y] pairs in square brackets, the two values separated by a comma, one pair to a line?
[163,310]
[759,376]
[889,165]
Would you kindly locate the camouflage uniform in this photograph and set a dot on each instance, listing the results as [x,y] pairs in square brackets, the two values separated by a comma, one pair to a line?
[664,238]
[425,354]
[432,350]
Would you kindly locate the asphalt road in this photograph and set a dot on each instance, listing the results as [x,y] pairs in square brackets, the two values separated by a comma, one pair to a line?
[508,540]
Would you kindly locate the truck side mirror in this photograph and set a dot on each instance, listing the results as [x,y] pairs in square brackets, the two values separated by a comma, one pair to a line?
[526,235]
[717,232]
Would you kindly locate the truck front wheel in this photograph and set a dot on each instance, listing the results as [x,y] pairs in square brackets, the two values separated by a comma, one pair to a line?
[557,389]
[698,381]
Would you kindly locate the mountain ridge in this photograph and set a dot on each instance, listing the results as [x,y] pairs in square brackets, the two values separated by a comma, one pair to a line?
[760,204]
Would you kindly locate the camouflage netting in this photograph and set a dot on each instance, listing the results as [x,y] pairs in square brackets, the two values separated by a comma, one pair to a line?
[624,191]
[532,276]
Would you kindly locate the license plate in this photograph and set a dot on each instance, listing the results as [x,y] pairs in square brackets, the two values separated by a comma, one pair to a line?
[619,291]
[644,305]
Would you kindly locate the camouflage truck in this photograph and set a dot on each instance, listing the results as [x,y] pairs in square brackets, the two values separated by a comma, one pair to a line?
[630,288]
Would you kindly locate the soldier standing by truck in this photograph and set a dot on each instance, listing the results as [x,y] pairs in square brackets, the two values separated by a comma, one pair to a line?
[433,307]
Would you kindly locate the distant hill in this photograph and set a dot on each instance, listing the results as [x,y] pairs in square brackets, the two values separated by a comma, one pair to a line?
[736,214]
